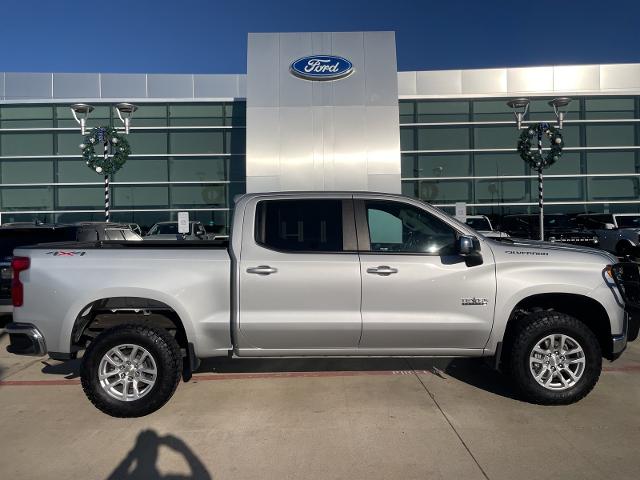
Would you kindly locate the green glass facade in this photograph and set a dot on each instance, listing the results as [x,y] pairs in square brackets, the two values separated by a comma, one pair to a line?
[186,157]
[464,151]
[191,157]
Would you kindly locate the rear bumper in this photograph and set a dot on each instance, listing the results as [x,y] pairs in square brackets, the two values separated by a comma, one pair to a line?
[25,339]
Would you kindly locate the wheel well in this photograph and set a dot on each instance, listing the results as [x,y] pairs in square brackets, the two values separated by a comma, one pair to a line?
[585,309]
[109,312]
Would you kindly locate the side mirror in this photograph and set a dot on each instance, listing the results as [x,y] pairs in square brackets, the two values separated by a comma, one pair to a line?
[466,245]
[609,226]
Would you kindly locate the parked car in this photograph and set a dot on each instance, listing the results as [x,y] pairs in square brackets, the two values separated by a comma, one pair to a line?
[14,235]
[169,231]
[482,224]
[558,228]
[321,274]
[135,228]
[618,233]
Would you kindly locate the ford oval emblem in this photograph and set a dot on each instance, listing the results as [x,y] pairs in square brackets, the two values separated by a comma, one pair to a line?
[322,67]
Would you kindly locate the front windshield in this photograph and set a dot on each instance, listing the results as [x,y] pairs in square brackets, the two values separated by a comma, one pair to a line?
[479,223]
[628,221]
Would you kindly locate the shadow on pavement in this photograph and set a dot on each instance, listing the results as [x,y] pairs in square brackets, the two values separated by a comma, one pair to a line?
[140,462]
[70,369]
[472,371]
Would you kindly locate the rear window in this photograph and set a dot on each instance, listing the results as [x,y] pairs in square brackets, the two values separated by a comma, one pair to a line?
[300,225]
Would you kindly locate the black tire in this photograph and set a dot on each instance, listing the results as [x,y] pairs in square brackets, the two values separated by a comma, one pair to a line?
[160,345]
[533,329]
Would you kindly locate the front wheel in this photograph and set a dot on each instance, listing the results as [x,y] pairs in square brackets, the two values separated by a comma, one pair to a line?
[555,359]
[131,370]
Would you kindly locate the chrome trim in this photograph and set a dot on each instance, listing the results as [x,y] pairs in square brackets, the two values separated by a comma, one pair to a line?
[619,342]
[510,122]
[32,333]
[516,177]
[513,150]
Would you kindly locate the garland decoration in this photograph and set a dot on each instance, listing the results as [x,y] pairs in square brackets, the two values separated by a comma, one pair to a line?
[105,164]
[533,157]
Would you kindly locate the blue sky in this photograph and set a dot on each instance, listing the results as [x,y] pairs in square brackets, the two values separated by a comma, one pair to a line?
[200,36]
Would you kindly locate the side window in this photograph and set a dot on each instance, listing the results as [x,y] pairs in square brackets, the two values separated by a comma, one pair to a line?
[300,225]
[130,235]
[398,227]
[113,234]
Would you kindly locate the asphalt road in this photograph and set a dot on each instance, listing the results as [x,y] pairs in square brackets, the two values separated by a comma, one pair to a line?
[324,419]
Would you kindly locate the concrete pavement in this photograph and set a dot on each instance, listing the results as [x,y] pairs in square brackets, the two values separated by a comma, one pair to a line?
[325,419]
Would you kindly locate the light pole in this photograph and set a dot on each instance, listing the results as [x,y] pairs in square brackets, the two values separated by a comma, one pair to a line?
[520,108]
[106,136]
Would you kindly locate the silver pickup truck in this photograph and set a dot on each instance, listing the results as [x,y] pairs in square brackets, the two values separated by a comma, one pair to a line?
[323,274]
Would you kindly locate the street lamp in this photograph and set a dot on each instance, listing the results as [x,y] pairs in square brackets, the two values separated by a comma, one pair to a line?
[81,113]
[558,105]
[520,108]
[125,112]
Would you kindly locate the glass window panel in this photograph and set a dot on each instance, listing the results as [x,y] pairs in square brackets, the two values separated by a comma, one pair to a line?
[197,169]
[438,111]
[495,137]
[81,197]
[198,195]
[72,171]
[617,188]
[9,217]
[454,165]
[69,143]
[196,114]
[407,139]
[560,189]
[611,162]
[435,138]
[9,112]
[141,196]
[597,108]
[148,142]
[610,135]
[19,198]
[143,170]
[27,171]
[300,225]
[501,191]
[400,227]
[568,163]
[487,110]
[100,112]
[445,191]
[147,116]
[24,144]
[197,142]
[26,117]
[497,164]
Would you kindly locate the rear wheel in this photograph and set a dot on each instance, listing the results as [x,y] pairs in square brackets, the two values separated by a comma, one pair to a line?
[131,370]
[555,359]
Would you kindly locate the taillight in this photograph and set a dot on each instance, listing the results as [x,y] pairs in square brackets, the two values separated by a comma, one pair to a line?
[18,264]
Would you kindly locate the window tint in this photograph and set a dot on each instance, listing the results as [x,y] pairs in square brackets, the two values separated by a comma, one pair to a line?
[300,225]
[398,227]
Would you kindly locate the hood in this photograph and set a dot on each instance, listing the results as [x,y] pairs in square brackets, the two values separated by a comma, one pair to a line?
[521,247]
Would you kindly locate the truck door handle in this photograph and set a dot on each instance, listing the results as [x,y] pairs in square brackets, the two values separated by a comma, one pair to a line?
[382,270]
[262,270]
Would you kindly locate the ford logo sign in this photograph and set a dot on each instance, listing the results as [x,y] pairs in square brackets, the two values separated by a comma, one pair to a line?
[322,67]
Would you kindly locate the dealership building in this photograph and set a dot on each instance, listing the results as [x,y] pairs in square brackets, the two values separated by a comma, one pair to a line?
[197,141]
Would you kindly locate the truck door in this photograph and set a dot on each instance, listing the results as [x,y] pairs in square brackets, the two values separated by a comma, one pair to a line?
[299,275]
[417,293]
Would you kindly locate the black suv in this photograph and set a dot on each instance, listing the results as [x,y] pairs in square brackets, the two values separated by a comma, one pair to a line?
[14,235]
[558,227]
